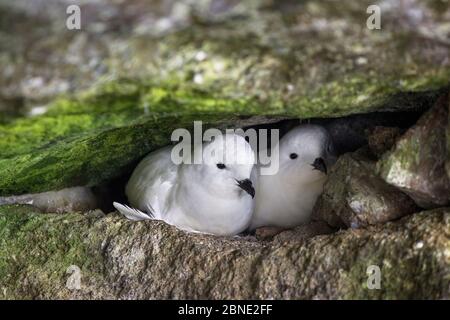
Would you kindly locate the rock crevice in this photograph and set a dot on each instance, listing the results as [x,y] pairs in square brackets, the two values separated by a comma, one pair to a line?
[148,260]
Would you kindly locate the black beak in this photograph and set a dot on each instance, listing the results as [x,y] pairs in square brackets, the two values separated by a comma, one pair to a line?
[247,186]
[319,164]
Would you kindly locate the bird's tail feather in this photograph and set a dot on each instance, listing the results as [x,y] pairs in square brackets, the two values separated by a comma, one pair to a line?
[133,214]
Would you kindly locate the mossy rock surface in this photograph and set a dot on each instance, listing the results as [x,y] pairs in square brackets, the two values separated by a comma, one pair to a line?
[146,260]
[298,52]
[280,59]
[417,162]
[98,135]
[111,95]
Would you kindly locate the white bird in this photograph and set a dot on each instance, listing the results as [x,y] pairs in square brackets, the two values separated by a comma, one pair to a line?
[286,199]
[211,197]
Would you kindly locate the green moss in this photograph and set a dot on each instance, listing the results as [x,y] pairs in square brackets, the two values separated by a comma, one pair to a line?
[391,285]
[121,260]
[267,61]
[418,265]
[92,157]
[419,151]
[260,60]
[56,242]
[419,284]
[406,155]
[94,136]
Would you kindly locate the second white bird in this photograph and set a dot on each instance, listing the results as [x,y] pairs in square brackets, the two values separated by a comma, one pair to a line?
[286,199]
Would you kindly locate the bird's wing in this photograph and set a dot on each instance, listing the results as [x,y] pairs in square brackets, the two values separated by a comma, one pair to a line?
[152,182]
[131,213]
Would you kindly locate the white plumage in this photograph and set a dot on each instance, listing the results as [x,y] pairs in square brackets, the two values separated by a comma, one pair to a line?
[214,198]
[286,199]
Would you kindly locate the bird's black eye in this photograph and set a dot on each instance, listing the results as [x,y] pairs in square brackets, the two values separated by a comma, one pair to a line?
[293,156]
[220,166]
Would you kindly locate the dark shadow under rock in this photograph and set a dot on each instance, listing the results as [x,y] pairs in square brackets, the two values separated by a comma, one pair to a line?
[382,139]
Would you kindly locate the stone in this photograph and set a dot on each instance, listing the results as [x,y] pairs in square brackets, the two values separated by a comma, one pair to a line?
[355,196]
[76,199]
[304,232]
[353,132]
[120,259]
[319,57]
[267,233]
[82,108]
[382,139]
[416,165]
[448,141]
[211,62]
[66,148]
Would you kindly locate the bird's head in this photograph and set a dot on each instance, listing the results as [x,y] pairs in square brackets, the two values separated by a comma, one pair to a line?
[228,161]
[306,151]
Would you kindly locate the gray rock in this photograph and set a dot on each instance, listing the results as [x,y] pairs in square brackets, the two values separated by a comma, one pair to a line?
[382,139]
[417,163]
[353,132]
[298,53]
[215,62]
[220,63]
[302,232]
[448,142]
[267,233]
[76,199]
[354,196]
[120,259]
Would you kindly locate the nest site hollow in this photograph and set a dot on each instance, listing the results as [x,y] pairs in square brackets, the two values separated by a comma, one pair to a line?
[373,133]
[369,135]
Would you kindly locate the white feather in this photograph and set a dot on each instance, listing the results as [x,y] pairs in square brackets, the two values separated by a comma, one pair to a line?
[286,199]
[195,197]
[131,213]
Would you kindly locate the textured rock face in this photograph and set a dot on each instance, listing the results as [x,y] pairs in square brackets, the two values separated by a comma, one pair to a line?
[382,139]
[354,196]
[417,163]
[209,61]
[301,53]
[77,199]
[122,259]
[447,163]
[228,64]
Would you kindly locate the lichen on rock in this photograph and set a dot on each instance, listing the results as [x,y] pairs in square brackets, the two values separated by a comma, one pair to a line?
[355,196]
[147,260]
[417,163]
[298,60]
[98,100]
